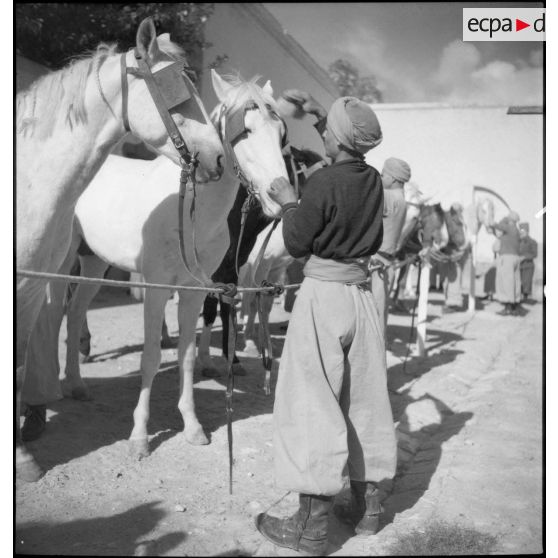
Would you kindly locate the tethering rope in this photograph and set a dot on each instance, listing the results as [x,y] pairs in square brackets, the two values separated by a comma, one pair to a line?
[219,289]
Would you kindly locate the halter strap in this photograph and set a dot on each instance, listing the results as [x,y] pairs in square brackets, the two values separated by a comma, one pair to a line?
[170,124]
[124,80]
[229,138]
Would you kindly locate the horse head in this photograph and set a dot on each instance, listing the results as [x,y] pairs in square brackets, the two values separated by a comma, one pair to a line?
[485,212]
[434,229]
[253,134]
[166,62]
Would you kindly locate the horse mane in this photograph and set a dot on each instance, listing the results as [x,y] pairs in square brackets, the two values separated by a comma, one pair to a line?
[413,194]
[243,92]
[62,93]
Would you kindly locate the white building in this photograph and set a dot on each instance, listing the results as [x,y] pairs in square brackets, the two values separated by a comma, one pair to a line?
[452,148]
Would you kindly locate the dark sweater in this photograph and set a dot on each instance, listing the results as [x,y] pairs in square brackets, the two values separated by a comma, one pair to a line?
[339,215]
[509,241]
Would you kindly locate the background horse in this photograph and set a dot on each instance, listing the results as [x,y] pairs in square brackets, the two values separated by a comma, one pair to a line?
[148,241]
[454,257]
[300,164]
[424,231]
[66,125]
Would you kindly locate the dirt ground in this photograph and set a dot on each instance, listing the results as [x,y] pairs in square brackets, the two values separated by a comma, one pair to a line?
[468,417]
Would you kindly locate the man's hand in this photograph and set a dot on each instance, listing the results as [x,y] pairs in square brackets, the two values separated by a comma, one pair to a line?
[282,192]
[305,101]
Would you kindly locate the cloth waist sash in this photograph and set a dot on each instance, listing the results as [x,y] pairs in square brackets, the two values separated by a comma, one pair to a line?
[353,270]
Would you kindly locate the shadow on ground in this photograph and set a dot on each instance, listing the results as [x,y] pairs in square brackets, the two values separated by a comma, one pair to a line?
[121,534]
[413,478]
[77,428]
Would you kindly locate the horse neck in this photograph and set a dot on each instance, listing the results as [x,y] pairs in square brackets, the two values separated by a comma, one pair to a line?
[217,199]
[74,151]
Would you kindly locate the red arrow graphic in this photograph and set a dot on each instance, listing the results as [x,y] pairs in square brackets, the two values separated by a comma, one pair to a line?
[519,25]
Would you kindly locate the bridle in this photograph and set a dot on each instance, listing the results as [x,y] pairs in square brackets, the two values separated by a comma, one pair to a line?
[163,93]
[157,91]
[231,128]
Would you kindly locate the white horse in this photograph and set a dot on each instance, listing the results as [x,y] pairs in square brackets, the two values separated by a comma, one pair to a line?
[67,123]
[138,232]
[272,266]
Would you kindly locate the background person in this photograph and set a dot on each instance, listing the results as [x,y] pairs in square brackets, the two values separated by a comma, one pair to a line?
[508,282]
[527,253]
[395,174]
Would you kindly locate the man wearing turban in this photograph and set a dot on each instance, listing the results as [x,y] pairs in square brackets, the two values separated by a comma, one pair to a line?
[332,418]
[508,280]
[395,174]
[527,253]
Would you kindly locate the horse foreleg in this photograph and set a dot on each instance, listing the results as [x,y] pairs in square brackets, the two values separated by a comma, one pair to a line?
[27,469]
[153,313]
[91,266]
[28,309]
[410,292]
[250,333]
[189,305]
[209,314]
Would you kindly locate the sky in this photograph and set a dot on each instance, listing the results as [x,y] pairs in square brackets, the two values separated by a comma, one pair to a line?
[416,52]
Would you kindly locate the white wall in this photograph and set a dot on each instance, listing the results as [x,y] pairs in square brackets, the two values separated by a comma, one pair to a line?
[451,149]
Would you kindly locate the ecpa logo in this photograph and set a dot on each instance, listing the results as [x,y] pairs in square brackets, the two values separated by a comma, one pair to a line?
[503,24]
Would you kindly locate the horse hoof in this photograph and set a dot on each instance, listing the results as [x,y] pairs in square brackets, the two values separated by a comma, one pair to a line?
[211,372]
[28,470]
[238,369]
[81,393]
[196,437]
[139,448]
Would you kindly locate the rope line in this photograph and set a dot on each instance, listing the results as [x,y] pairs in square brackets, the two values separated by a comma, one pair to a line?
[271,288]
[127,284]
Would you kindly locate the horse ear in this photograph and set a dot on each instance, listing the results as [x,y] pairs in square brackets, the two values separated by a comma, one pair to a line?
[146,39]
[220,86]
[267,88]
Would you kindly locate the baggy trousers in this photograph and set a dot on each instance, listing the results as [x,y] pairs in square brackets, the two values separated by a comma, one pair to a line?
[526,271]
[508,281]
[332,416]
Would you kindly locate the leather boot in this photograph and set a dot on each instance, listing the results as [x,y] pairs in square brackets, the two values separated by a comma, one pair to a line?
[364,510]
[305,531]
[35,422]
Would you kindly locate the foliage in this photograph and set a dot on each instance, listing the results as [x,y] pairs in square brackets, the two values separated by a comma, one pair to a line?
[349,82]
[52,33]
[440,538]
